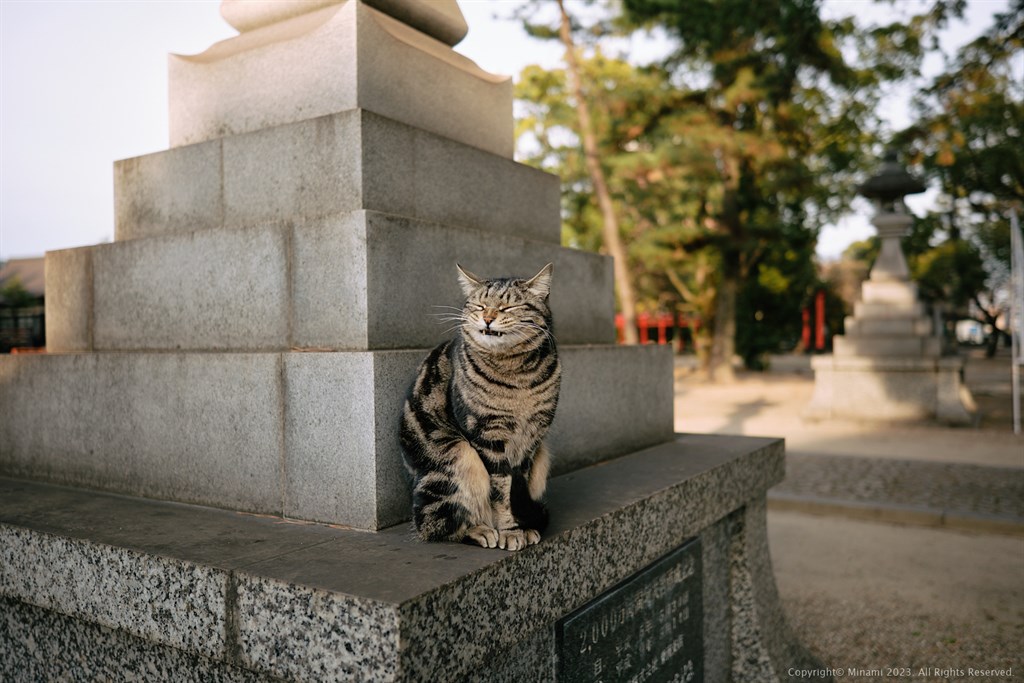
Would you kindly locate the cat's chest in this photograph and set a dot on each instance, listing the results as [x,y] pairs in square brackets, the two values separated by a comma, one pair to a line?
[503,425]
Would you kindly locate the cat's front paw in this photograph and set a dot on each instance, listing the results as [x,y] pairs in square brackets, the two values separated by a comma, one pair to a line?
[517,539]
[483,536]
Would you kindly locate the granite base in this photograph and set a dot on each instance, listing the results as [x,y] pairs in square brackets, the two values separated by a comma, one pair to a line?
[178,592]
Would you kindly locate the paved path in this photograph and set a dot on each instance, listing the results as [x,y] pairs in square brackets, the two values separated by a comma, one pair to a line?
[864,581]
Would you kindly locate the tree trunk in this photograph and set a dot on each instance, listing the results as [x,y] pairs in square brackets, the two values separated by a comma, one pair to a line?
[610,223]
[723,340]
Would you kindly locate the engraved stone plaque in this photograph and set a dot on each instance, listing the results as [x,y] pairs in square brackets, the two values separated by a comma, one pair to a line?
[647,629]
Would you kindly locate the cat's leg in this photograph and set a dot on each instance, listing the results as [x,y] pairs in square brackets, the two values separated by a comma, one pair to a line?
[510,536]
[540,467]
[452,503]
[526,488]
[474,493]
[518,518]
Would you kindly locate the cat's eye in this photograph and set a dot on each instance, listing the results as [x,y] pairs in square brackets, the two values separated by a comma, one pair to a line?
[509,308]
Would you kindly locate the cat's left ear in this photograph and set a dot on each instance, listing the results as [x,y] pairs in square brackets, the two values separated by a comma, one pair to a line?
[540,284]
[468,281]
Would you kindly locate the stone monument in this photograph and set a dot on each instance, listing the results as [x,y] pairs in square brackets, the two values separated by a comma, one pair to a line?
[203,478]
[890,363]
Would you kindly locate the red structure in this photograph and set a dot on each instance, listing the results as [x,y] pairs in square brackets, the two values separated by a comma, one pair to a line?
[819,320]
[659,328]
[819,324]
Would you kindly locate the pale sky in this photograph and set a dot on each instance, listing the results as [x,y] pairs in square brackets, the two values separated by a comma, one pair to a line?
[84,83]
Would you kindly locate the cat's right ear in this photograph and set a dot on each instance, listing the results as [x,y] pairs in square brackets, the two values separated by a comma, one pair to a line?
[468,281]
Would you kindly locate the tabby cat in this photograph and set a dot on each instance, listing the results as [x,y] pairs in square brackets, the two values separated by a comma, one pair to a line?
[473,423]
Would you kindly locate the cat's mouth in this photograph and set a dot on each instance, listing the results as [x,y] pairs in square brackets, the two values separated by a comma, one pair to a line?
[491,333]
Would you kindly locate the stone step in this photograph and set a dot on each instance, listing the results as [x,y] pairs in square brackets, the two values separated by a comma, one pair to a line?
[362,280]
[863,310]
[887,327]
[343,56]
[342,162]
[890,389]
[308,435]
[156,591]
[889,292]
[887,346]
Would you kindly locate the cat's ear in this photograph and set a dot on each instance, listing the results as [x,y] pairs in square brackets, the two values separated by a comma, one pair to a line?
[540,284]
[468,281]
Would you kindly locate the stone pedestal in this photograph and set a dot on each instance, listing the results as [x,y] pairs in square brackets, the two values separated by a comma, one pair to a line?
[889,365]
[184,593]
[248,338]
[245,344]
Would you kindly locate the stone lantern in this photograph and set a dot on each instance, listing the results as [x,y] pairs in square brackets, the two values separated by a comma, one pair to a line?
[889,364]
[887,189]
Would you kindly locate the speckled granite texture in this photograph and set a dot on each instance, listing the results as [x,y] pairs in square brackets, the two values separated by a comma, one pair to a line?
[308,602]
[40,645]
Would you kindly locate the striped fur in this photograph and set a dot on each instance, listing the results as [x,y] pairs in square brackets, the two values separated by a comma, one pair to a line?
[475,419]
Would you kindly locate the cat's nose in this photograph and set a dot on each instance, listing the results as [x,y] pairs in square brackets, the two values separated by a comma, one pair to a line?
[488,318]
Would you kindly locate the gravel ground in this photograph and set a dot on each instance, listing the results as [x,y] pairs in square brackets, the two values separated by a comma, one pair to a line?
[864,596]
[869,597]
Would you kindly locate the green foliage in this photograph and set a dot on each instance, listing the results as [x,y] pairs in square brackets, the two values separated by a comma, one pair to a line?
[968,140]
[951,273]
[14,295]
[726,159]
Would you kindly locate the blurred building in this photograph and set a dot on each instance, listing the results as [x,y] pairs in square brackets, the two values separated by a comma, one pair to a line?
[22,291]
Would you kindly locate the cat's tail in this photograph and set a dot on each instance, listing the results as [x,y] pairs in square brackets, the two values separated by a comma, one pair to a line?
[528,513]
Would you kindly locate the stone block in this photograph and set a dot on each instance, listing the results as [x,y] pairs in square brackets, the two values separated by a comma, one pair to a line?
[887,327]
[890,389]
[410,281]
[351,281]
[340,57]
[215,290]
[43,645]
[69,300]
[601,385]
[888,292]
[165,602]
[863,310]
[314,603]
[343,459]
[308,435]
[181,187]
[197,428]
[343,162]
[894,346]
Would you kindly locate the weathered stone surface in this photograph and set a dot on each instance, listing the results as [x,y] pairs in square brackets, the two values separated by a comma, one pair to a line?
[863,310]
[214,290]
[69,300]
[336,163]
[151,192]
[889,292]
[308,435]
[313,604]
[871,327]
[890,389]
[42,645]
[202,428]
[602,384]
[340,57]
[887,346]
[353,281]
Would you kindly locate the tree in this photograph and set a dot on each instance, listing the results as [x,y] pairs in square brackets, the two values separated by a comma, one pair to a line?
[778,125]
[584,127]
[968,140]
